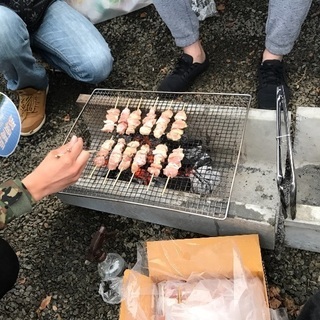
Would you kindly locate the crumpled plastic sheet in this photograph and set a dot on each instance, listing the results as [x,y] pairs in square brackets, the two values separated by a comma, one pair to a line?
[204,8]
[279,314]
[212,299]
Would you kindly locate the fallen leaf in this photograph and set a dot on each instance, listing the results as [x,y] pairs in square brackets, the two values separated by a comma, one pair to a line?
[67,118]
[22,280]
[143,15]
[221,7]
[291,306]
[43,304]
[274,291]
[54,308]
[274,303]
[164,70]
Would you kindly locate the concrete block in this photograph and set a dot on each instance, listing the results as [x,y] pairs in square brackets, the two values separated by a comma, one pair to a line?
[307,137]
[304,232]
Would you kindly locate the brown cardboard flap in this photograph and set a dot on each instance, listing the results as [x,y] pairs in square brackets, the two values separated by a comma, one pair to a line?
[214,256]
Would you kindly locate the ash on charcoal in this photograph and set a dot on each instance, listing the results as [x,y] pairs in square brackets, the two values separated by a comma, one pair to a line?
[204,180]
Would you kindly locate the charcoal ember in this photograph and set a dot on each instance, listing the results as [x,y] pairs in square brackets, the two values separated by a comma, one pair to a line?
[196,157]
[204,179]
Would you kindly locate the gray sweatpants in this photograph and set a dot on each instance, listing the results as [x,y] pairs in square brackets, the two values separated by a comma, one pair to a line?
[285,18]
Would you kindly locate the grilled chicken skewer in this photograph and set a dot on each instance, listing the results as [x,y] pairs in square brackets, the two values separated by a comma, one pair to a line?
[162,122]
[100,158]
[115,157]
[127,157]
[149,120]
[173,166]
[123,120]
[139,160]
[160,154]
[111,118]
[134,120]
[177,126]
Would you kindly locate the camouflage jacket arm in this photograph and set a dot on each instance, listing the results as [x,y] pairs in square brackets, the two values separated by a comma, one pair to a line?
[15,200]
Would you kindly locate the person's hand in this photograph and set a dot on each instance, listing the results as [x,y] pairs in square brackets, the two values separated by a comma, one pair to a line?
[59,169]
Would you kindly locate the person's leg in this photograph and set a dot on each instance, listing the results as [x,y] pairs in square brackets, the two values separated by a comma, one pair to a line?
[285,18]
[70,42]
[17,63]
[22,72]
[283,26]
[180,19]
[9,267]
[184,27]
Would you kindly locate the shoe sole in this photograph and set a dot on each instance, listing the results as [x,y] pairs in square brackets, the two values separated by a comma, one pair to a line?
[30,133]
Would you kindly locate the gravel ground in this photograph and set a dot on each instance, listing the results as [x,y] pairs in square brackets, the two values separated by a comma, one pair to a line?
[52,241]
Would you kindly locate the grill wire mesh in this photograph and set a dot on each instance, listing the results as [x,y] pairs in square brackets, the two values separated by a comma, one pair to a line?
[211,144]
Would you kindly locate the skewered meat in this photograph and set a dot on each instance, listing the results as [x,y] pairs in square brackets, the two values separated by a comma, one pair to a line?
[128,154]
[160,154]
[123,120]
[149,121]
[100,158]
[180,115]
[116,154]
[179,124]
[111,119]
[174,163]
[175,134]
[162,123]
[134,121]
[176,131]
[140,158]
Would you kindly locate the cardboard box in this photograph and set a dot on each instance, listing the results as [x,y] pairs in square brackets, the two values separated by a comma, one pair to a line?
[178,259]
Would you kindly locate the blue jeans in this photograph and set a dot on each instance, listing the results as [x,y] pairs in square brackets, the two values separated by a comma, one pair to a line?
[66,40]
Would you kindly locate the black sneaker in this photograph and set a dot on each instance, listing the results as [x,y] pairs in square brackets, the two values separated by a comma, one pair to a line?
[184,74]
[271,74]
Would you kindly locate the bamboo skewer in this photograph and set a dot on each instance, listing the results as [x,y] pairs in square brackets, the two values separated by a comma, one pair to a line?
[130,181]
[92,172]
[117,178]
[150,181]
[140,102]
[165,186]
[106,177]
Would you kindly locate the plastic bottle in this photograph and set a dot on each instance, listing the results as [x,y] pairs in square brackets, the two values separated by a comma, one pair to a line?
[110,268]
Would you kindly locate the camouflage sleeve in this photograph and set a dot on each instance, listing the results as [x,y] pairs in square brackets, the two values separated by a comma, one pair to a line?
[15,200]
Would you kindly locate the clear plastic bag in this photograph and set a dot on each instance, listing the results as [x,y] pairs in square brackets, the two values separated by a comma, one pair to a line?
[111,271]
[101,10]
[110,290]
[204,8]
[279,314]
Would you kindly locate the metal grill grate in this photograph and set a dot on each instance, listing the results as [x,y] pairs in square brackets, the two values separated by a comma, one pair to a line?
[216,124]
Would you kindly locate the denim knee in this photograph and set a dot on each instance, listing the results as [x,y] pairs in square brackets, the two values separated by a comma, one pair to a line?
[96,69]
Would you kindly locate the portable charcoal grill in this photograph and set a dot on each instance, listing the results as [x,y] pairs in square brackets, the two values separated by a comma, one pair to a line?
[211,144]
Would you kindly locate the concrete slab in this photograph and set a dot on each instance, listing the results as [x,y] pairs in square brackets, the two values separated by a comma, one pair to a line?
[304,231]
[255,195]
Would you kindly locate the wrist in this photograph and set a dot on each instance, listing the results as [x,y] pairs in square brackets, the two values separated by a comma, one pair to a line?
[33,186]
